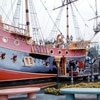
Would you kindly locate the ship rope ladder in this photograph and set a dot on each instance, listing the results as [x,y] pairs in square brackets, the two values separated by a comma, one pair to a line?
[76,25]
[55,28]
[36,29]
[16,17]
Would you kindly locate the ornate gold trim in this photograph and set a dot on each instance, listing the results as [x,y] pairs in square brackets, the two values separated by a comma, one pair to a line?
[28,61]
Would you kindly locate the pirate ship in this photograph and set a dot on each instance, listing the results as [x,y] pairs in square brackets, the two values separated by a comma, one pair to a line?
[21,57]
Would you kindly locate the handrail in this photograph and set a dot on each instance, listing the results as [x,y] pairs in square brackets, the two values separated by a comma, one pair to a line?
[14,29]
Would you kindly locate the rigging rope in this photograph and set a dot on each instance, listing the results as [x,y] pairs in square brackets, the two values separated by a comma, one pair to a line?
[2,3]
[81,16]
[53,33]
[5,14]
[91,6]
[95,26]
[16,17]
[76,26]
[35,25]
[12,7]
[49,15]
[96,12]
[10,11]
[22,18]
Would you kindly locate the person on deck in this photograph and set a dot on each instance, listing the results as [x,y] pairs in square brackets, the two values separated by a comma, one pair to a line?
[81,66]
[71,63]
[77,66]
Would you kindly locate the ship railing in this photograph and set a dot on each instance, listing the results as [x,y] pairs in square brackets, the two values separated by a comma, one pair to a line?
[40,49]
[14,29]
[79,45]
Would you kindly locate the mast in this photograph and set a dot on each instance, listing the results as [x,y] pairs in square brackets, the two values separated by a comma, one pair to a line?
[97,26]
[96,13]
[67,16]
[27,17]
[67,12]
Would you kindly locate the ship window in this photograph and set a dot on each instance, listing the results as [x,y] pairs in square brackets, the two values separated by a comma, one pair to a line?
[51,51]
[5,39]
[59,52]
[16,42]
[28,61]
[66,52]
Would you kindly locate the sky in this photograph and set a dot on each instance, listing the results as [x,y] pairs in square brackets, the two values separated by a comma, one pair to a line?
[86,10]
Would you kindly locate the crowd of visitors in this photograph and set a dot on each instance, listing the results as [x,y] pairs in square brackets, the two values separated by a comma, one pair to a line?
[77,65]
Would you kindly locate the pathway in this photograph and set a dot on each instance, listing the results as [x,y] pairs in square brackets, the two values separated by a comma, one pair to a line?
[53,97]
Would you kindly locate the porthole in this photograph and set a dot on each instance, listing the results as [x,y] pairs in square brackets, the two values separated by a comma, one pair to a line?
[51,51]
[5,39]
[59,52]
[66,52]
[29,41]
[16,42]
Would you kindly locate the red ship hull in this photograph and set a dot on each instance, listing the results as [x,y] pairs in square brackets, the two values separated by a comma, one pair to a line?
[8,75]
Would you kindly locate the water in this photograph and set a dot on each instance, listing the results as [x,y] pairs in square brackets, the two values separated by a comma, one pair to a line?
[59,84]
[42,96]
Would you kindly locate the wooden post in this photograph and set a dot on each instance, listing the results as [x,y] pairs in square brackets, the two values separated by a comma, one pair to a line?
[64,59]
[57,60]
[67,21]
[0,19]
[72,79]
[27,17]
[92,71]
[88,78]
